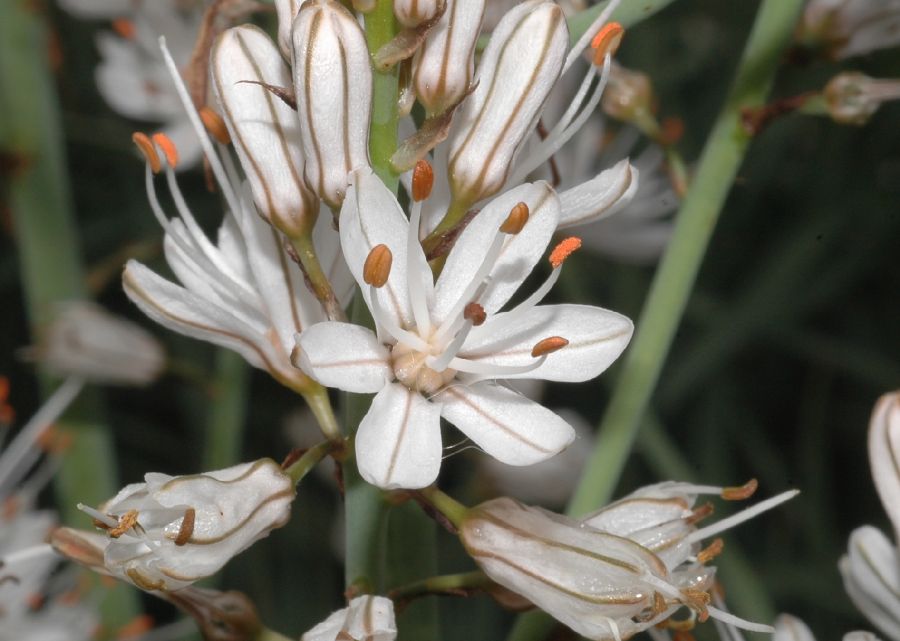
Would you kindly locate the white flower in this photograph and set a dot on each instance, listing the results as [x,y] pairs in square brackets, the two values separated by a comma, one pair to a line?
[618,572]
[439,346]
[367,618]
[169,531]
[85,340]
[871,568]
[852,97]
[847,28]
[132,75]
[26,563]
[333,83]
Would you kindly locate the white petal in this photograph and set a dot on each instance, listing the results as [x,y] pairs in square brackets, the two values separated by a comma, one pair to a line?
[287,11]
[97,8]
[519,255]
[884,454]
[179,310]
[398,444]
[508,426]
[870,573]
[609,192]
[371,216]
[789,628]
[596,338]
[327,242]
[132,86]
[345,356]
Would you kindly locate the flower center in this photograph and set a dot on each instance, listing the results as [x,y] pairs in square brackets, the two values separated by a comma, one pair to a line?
[411,370]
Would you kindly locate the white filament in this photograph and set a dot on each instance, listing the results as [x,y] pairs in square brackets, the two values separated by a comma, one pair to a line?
[740,517]
[415,286]
[589,34]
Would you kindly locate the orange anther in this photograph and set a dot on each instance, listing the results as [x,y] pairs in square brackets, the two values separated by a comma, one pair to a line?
[475,313]
[35,600]
[377,267]
[4,389]
[138,626]
[563,250]
[422,181]
[516,220]
[215,125]
[148,151]
[607,41]
[126,522]
[699,513]
[741,493]
[711,551]
[124,27]
[548,346]
[168,148]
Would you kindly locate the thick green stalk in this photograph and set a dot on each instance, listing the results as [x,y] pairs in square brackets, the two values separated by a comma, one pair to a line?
[722,156]
[228,414]
[674,280]
[381,27]
[51,270]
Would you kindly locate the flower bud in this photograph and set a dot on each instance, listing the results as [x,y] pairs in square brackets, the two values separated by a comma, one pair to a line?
[845,28]
[629,96]
[444,65]
[333,82]
[852,97]
[262,127]
[168,532]
[85,340]
[412,13]
[367,618]
[884,452]
[517,71]
[286,10]
[598,584]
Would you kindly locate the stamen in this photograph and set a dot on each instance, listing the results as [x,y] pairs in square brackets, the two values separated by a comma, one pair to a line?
[516,220]
[699,513]
[215,125]
[148,151]
[475,313]
[740,493]
[168,148]
[187,527]
[124,27]
[377,267]
[417,270]
[490,370]
[563,250]
[99,517]
[589,34]
[710,552]
[607,41]
[422,181]
[740,517]
[126,522]
[385,322]
[727,617]
[548,346]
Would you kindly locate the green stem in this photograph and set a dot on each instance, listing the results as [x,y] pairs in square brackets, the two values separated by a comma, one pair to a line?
[445,584]
[445,504]
[321,286]
[228,413]
[51,269]
[312,457]
[316,397]
[674,280]
[381,27]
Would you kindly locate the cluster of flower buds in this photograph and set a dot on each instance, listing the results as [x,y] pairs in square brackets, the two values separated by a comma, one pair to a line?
[366,618]
[617,572]
[168,532]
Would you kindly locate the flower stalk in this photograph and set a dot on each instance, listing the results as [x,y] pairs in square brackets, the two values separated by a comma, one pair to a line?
[381,27]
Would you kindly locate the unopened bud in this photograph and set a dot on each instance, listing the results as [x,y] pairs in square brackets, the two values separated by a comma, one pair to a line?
[884,452]
[367,618]
[377,267]
[852,98]
[517,71]
[412,13]
[286,11]
[628,96]
[333,82]
[263,128]
[445,63]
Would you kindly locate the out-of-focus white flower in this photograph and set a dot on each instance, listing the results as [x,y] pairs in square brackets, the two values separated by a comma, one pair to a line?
[243,292]
[132,75]
[496,9]
[852,98]
[871,567]
[264,130]
[367,618]
[617,572]
[847,28]
[333,83]
[412,13]
[440,346]
[169,531]
[31,603]
[790,628]
[86,341]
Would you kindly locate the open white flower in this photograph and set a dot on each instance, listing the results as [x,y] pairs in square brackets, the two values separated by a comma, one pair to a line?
[440,345]
[169,531]
[367,618]
[847,28]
